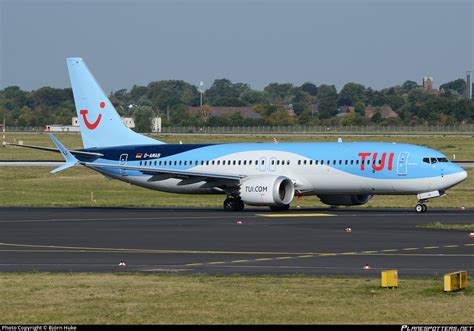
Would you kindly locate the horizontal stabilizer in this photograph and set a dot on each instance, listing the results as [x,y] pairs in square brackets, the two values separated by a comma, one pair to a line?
[68,157]
[63,167]
[50,149]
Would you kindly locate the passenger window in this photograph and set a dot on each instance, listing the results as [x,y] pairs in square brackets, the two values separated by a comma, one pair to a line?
[333,162]
[299,162]
[250,162]
[304,162]
[233,162]
[352,162]
[340,162]
[316,162]
[288,162]
[155,163]
[140,162]
[245,162]
[310,162]
[212,162]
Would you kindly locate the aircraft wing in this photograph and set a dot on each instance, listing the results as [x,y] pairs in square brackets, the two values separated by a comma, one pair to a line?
[50,149]
[173,172]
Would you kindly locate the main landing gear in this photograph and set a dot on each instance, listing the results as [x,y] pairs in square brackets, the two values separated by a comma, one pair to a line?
[421,207]
[233,204]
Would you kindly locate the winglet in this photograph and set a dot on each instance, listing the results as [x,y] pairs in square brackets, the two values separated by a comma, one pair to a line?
[70,159]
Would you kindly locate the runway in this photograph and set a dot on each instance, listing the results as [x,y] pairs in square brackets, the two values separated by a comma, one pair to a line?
[212,241]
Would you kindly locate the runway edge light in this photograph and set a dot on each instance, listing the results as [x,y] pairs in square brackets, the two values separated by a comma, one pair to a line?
[455,281]
[389,278]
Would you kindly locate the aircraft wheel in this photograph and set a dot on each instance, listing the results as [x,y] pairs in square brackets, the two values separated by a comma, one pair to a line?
[419,208]
[425,208]
[239,205]
[233,204]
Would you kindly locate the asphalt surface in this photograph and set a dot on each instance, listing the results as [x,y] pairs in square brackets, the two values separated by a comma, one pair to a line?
[212,241]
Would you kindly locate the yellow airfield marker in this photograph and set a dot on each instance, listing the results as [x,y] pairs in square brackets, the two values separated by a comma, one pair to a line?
[295,215]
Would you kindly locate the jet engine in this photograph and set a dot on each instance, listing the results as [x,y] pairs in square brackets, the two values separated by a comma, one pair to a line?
[345,199]
[267,191]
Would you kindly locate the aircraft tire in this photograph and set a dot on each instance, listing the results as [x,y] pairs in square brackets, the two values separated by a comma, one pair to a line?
[419,208]
[233,204]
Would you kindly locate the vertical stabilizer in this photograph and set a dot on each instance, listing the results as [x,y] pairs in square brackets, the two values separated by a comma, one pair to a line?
[101,125]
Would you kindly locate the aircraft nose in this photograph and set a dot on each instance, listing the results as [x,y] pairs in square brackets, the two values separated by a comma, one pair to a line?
[461,175]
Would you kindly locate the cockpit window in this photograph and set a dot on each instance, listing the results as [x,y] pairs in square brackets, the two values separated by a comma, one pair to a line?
[433,160]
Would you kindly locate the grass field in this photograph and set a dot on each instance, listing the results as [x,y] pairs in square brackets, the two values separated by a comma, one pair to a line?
[30,298]
[441,226]
[462,147]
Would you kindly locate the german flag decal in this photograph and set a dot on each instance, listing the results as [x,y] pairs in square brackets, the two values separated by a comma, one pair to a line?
[138,156]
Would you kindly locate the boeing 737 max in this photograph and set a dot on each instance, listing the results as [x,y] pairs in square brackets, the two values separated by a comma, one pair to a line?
[257,174]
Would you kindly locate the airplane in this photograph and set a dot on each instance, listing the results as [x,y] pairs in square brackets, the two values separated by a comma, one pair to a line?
[256,174]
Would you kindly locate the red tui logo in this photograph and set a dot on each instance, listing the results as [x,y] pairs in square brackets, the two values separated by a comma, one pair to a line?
[92,126]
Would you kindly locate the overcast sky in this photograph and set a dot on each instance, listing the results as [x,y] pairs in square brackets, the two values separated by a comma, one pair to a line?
[378,43]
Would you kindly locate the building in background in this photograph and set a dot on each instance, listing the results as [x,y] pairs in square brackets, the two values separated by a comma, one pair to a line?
[428,86]
[156,124]
[427,83]
[61,128]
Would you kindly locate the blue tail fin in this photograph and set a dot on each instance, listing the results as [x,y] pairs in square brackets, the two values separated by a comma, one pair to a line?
[101,125]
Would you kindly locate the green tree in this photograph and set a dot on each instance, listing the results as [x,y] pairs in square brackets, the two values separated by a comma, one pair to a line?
[351,93]
[409,85]
[281,94]
[225,93]
[458,85]
[359,108]
[170,93]
[309,88]
[143,115]
[376,118]
[327,101]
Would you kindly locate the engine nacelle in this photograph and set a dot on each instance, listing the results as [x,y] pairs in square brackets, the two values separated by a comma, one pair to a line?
[267,191]
[345,199]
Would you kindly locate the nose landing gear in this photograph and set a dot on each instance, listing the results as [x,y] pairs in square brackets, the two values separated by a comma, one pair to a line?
[424,197]
[421,207]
